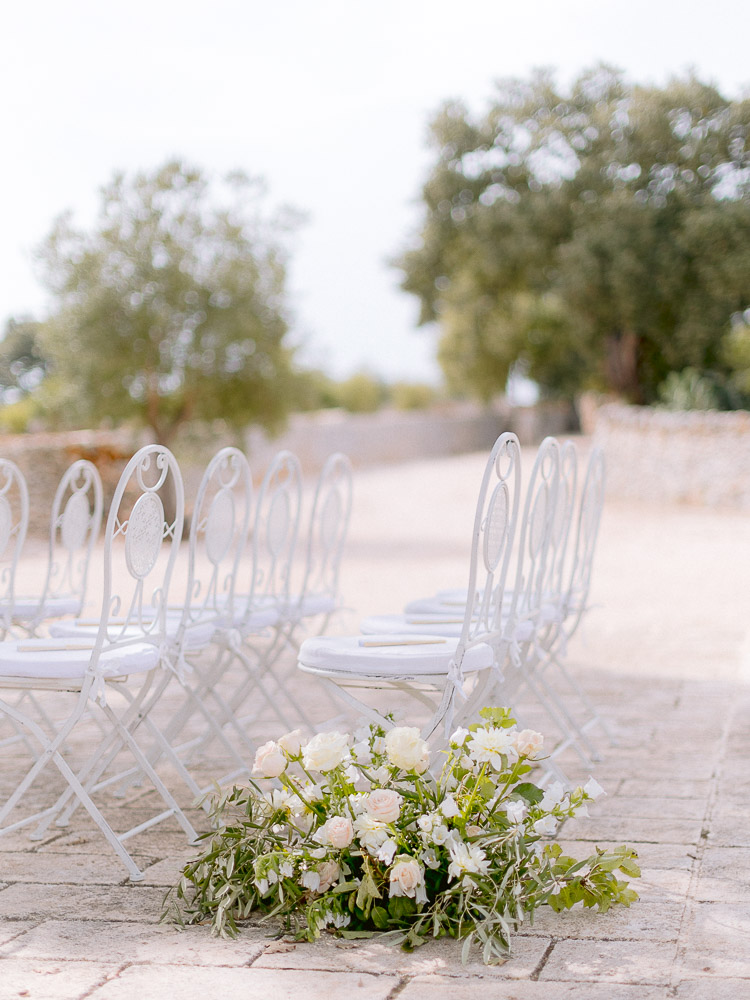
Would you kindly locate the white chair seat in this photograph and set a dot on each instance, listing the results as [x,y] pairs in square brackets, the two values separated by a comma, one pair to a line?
[44,658]
[311,605]
[337,655]
[442,624]
[54,607]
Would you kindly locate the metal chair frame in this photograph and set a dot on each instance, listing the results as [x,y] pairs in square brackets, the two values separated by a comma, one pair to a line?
[129,648]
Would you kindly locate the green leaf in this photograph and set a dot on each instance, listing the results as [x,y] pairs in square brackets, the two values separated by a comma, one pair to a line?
[530,792]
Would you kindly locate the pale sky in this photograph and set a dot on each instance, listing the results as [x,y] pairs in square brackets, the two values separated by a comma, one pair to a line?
[329,100]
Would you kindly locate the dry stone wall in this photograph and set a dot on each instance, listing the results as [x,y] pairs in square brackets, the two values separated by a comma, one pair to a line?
[700,457]
[368,439]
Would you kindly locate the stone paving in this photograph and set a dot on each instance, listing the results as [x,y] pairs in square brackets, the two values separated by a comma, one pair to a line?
[664,655]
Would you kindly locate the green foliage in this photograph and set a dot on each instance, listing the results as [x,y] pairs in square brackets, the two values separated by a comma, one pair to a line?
[689,390]
[361,837]
[172,306]
[23,363]
[15,418]
[360,393]
[412,395]
[599,236]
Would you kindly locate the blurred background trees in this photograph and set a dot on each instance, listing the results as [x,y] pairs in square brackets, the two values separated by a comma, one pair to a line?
[591,237]
[171,306]
[596,238]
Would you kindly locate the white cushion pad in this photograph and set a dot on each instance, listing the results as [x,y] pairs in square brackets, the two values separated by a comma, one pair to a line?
[346,654]
[39,658]
[445,624]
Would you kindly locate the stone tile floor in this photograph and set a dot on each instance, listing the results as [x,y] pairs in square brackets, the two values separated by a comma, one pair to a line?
[665,660]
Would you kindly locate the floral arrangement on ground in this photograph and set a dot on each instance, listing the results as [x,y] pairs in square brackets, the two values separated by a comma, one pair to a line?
[360,835]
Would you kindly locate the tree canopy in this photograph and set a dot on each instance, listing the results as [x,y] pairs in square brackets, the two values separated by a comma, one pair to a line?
[598,237]
[172,305]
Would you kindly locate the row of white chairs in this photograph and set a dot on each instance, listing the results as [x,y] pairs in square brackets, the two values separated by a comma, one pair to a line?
[118,664]
[507,632]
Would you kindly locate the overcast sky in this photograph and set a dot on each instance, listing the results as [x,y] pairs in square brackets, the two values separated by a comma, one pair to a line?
[327,99]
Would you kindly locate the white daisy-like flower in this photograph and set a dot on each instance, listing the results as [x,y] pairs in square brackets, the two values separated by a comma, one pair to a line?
[490,745]
[466,858]
[371,833]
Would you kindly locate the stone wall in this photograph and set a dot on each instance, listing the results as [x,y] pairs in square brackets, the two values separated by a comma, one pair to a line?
[368,439]
[700,457]
[44,457]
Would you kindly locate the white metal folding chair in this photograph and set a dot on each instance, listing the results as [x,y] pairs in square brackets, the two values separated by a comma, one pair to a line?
[14,522]
[261,613]
[206,636]
[446,675]
[318,596]
[121,666]
[574,604]
[75,523]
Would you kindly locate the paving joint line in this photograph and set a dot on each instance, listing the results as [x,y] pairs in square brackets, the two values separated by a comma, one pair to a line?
[534,977]
[701,845]
[399,987]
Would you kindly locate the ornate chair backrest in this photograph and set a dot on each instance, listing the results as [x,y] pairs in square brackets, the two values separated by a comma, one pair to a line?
[329,523]
[218,532]
[537,530]
[274,533]
[75,523]
[14,521]
[587,531]
[566,498]
[492,541]
[141,541]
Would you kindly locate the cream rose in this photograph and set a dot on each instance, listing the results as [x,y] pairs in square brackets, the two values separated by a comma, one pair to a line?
[405,877]
[329,873]
[406,749]
[291,742]
[339,831]
[270,761]
[325,751]
[528,743]
[384,804]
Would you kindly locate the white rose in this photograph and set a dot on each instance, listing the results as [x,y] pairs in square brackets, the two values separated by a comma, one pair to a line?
[405,877]
[528,743]
[325,751]
[384,804]
[270,761]
[291,742]
[406,749]
[339,831]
